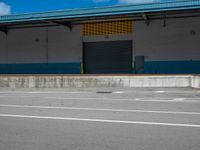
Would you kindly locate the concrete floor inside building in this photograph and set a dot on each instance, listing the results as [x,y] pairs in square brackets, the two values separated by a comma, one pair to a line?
[100,119]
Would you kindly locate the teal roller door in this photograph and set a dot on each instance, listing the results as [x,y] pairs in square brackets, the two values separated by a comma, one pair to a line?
[108,57]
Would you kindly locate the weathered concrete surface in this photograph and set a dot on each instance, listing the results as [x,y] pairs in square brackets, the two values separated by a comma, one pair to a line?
[63,81]
[195,81]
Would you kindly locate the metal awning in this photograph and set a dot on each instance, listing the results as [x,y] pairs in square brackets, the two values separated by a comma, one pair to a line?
[139,12]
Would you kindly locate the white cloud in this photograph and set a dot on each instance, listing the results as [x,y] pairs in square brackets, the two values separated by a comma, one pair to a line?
[4,9]
[137,1]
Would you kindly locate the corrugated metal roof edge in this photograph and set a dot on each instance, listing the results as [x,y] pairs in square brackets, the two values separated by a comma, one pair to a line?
[102,11]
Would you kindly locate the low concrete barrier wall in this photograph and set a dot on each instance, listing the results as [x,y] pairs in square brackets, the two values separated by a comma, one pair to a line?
[63,81]
[195,81]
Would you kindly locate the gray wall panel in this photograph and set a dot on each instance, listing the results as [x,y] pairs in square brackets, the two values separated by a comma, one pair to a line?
[173,42]
[65,45]
[22,47]
[3,45]
[30,46]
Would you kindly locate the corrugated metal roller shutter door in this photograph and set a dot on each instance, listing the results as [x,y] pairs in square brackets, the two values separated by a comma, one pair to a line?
[108,57]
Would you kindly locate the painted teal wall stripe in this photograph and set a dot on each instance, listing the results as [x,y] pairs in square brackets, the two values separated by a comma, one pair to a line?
[41,68]
[151,67]
[172,67]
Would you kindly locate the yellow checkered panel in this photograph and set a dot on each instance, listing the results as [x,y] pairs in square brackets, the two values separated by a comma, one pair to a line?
[107,28]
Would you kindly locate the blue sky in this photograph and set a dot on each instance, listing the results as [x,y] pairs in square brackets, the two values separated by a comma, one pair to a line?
[24,6]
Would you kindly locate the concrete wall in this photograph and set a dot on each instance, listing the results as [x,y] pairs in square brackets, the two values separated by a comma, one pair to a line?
[195,82]
[98,81]
[41,50]
[171,49]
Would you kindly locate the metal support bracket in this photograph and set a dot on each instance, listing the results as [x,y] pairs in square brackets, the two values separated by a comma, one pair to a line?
[164,20]
[67,24]
[146,19]
[4,29]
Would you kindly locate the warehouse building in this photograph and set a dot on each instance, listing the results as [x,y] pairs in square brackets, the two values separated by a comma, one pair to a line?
[154,38]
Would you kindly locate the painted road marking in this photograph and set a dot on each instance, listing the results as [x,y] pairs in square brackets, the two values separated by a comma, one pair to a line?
[179,99]
[27,96]
[54,92]
[113,99]
[44,92]
[119,92]
[102,120]
[157,100]
[89,98]
[159,91]
[182,100]
[101,109]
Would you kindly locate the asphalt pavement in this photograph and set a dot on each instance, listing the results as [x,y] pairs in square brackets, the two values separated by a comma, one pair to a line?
[100,119]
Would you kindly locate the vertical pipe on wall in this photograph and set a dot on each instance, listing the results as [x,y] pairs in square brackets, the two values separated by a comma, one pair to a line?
[82,70]
[82,56]
[133,48]
[6,53]
[47,45]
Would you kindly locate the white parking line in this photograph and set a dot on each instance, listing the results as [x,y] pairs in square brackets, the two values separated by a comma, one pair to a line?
[102,120]
[101,109]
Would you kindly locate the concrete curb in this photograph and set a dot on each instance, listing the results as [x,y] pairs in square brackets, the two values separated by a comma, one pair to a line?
[63,81]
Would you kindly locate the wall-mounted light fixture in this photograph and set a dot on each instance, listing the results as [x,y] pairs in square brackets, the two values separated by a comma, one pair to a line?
[37,40]
[193,33]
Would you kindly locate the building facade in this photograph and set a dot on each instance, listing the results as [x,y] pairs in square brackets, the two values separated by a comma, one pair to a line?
[163,40]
